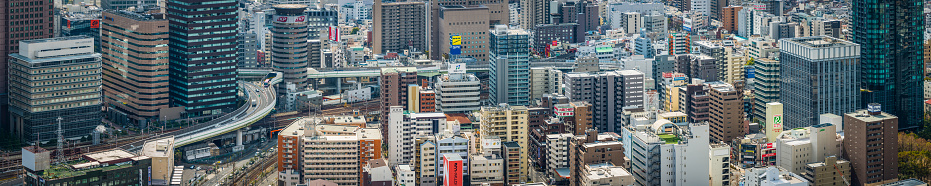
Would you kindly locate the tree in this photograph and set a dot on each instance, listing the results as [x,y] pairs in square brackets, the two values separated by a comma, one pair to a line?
[914,157]
[354,30]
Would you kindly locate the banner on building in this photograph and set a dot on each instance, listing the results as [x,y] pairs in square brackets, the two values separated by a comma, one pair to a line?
[290,19]
[333,33]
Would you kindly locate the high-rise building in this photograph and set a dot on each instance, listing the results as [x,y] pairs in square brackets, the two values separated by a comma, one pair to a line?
[831,171]
[202,54]
[533,13]
[819,75]
[513,154]
[399,26]
[719,164]
[609,93]
[729,18]
[727,115]
[468,23]
[17,16]
[404,128]
[55,78]
[510,124]
[871,145]
[799,147]
[289,46]
[765,85]
[545,80]
[125,4]
[394,91]
[497,14]
[891,56]
[679,43]
[135,72]
[458,93]
[510,65]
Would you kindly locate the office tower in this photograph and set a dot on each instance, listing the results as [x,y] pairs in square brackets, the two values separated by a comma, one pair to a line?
[289,46]
[125,4]
[247,49]
[66,67]
[583,13]
[765,85]
[801,146]
[80,23]
[891,56]
[699,66]
[701,7]
[775,7]
[729,18]
[717,52]
[609,93]
[17,16]
[319,20]
[457,93]
[289,145]
[819,75]
[203,56]
[546,34]
[870,144]
[681,153]
[510,124]
[726,108]
[668,90]
[545,80]
[497,14]
[399,26]
[468,24]
[630,22]
[510,65]
[782,30]
[655,22]
[135,60]
[593,149]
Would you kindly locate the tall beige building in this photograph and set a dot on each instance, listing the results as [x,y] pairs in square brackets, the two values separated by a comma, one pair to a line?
[533,12]
[508,123]
[498,14]
[832,171]
[135,65]
[545,80]
[334,158]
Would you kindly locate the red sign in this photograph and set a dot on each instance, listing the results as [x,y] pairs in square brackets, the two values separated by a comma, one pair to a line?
[768,155]
[453,175]
[667,74]
[282,19]
[333,33]
[94,23]
[768,146]
[299,19]
[554,43]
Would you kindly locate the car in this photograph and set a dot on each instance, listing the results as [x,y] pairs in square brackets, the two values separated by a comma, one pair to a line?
[256,90]
[193,166]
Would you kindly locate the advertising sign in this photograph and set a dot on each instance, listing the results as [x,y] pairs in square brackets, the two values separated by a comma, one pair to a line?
[457,68]
[564,110]
[768,146]
[290,19]
[453,175]
[751,72]
[768,155]
[333,33]
[455,45]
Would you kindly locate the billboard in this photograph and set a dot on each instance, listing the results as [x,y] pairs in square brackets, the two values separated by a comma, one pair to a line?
[564,110]
[751,72]
[453,173]
[455,45]
[773,120]
[290,19]
[333,33]
[457,68]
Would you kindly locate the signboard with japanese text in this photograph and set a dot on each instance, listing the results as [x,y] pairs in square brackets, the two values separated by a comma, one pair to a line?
[290,19]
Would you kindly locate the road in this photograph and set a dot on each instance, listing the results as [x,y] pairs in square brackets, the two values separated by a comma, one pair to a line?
[227,168]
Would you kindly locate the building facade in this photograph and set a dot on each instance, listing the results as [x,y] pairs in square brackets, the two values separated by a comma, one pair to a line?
[510,65]
[202,62]
[509,123]
[458,93]
[289,45]
[608,92]
[135,65]
[399,26]
[819,75]
[57,78]
[861,148]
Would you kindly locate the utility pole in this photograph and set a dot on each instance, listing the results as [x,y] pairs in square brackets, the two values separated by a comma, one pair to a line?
[61,139]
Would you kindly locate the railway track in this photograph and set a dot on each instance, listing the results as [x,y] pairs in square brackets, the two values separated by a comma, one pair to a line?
[253,173]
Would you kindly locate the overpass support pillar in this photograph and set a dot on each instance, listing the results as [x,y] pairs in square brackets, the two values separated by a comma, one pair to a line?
[238,146]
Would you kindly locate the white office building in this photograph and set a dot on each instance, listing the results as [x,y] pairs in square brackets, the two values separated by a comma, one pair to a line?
[682,153]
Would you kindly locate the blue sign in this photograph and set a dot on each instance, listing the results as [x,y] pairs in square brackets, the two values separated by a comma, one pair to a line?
[686,28]
[751,72]
[455,50]
[678,78]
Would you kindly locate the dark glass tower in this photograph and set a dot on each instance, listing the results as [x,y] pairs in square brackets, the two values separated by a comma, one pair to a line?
[890,36]
[202,49]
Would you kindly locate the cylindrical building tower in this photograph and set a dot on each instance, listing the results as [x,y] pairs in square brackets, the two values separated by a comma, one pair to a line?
[289,44]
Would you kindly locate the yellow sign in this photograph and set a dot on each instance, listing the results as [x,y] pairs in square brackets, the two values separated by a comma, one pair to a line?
[455,40]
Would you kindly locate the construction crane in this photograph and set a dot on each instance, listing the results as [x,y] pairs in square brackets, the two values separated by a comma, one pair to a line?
[841,175]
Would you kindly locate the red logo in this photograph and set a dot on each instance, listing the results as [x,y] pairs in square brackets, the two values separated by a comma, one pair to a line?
[94,23]
[282,19]
[299,19]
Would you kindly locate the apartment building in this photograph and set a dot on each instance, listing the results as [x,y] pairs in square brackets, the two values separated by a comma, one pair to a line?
[509,123]
[726,111]
[135,70]
[801,146]
[680,152]
[399,26]
[545,80]
[458,93]
[608,92]
[831,171]
[595,150]
[870,138]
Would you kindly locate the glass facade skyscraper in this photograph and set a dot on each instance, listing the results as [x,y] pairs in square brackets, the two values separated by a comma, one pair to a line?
[820,75]
[202,49]
[890,34]
[509,58]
